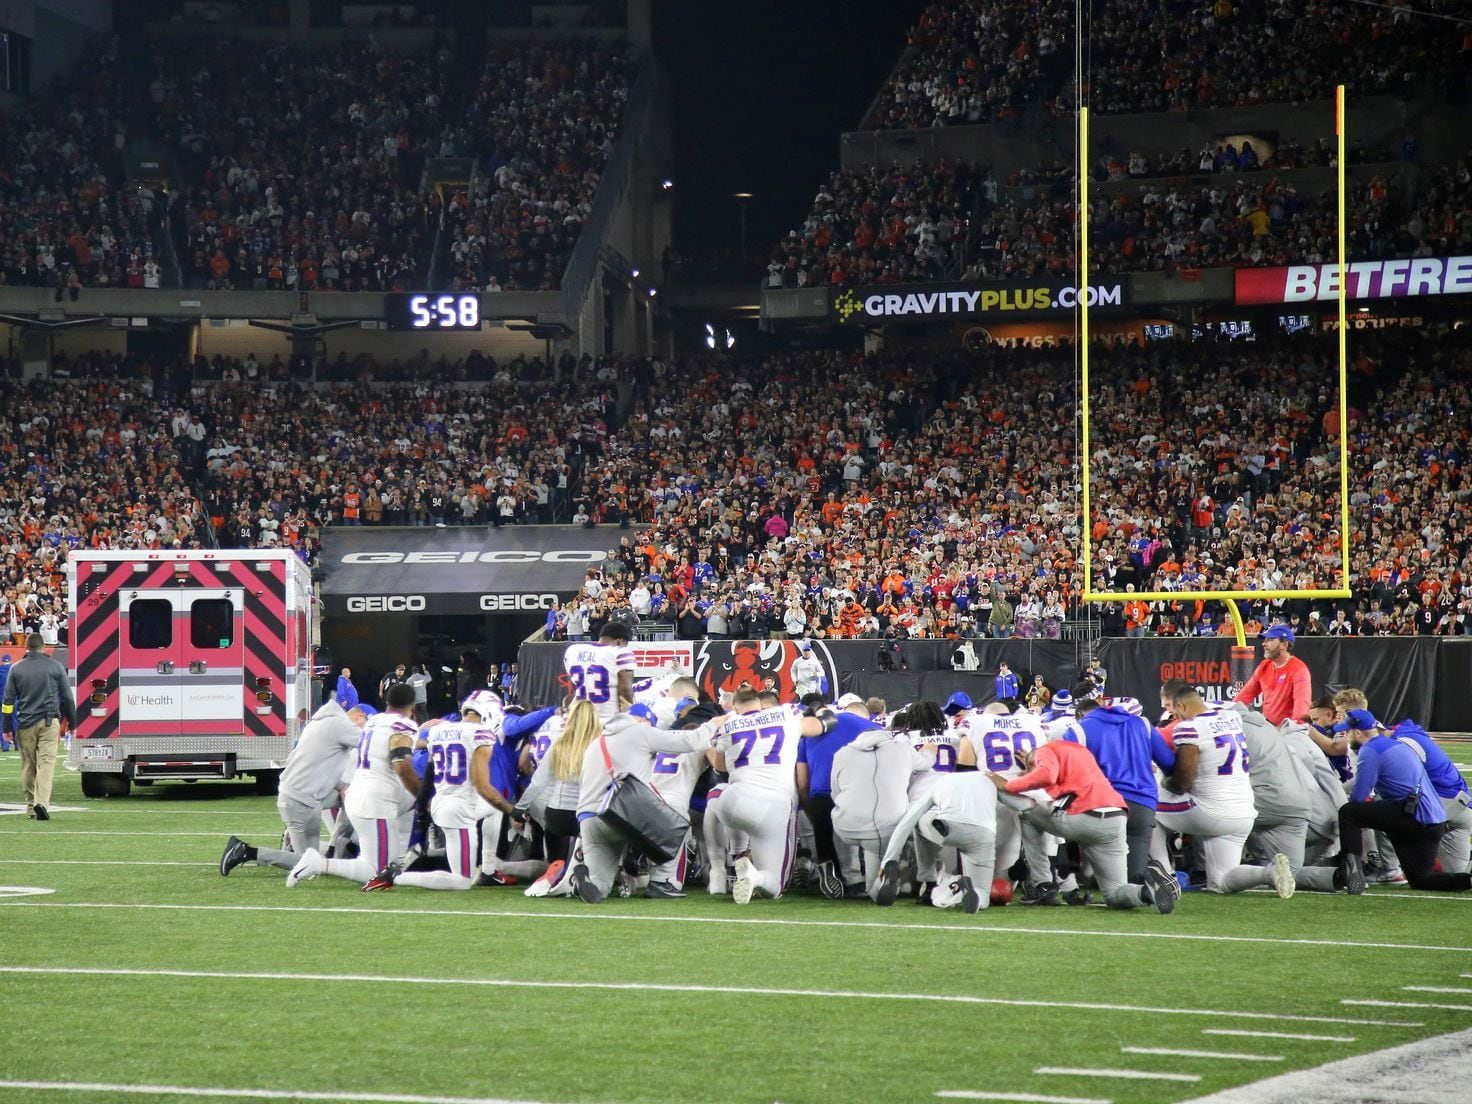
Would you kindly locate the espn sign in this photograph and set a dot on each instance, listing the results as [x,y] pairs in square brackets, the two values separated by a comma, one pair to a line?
[656,658]
[1407,279]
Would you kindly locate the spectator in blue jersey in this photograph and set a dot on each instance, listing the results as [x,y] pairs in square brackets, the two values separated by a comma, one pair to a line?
[1448,782]
[347,693]
[1392,794]
[815,786]
[1006,682]
[1125,746]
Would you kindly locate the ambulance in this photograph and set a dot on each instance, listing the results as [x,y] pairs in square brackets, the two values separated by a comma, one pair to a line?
[187,665]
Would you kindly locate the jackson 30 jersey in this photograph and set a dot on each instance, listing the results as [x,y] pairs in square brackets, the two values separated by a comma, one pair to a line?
[451,748]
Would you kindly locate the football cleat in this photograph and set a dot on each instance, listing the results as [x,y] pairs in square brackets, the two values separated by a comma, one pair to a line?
[743,887]
[662,891]
[887,888]
[970,899]
[1283,881]
[308,867]
[236,852]
[1045,894]
[1077,896]
[1351,875]
[543,885]
[384,879]
[1165,890]
[830,885]
[582,885]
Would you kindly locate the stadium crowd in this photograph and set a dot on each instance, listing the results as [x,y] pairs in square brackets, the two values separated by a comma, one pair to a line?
[66,219]
[541,122]
[822,494]
[303,169]
[982,61]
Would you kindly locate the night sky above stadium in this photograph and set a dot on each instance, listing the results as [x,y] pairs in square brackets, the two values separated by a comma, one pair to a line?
[761,92]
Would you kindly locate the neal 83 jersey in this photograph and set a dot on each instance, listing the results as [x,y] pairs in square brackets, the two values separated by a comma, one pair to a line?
[1222,786]
[375,783]
[592,671]
[761,748]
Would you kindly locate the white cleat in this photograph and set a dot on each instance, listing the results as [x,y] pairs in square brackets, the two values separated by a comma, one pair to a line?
[743,887]
[310,865]
[1283,880]
[717,884]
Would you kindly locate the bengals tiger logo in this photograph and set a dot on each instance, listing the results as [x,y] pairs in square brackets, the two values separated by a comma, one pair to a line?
[728,665]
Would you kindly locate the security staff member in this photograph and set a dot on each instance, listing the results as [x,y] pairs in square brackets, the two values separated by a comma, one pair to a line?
[36,696]
[1392,794]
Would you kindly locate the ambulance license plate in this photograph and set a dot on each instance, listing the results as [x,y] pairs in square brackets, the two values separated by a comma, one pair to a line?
[94,753]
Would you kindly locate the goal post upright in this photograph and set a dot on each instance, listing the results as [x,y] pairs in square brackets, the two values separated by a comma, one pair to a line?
[1229,597]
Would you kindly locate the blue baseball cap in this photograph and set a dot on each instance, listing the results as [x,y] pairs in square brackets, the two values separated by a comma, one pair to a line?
[1279,632]
[644,713]
[957,702]
[368,710]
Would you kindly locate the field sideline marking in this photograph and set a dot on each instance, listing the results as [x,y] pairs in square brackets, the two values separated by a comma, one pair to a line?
[1121,1074]
[1278,1035]
[878,925]
[252,1094]
[66,832]
[1025,1098]
[1407,1004]
[1225,1055]
[671,987]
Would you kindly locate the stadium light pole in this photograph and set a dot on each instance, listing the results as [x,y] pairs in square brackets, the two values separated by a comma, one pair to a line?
[742,198]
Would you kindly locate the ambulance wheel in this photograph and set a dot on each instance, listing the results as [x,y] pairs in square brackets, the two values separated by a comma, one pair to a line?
[266,782]
[97,784]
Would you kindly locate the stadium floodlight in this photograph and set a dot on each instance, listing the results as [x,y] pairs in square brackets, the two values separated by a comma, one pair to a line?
[634,273]
[653,292]
[666,184]
[710,336]
[1228,597]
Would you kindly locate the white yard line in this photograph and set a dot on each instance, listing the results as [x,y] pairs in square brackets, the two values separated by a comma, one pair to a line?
[1278,1035]
[65,833]
[396,914]
[1217,1054]
[1407,1004]
[655,987]
[99,862]
[249,1094]
[1435,989]
[1024,1098]
[1122,1075]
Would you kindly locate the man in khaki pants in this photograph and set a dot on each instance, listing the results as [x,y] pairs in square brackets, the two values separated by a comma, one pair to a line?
[37,695]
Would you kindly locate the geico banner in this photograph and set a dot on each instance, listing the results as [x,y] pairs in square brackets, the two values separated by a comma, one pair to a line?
[458,570]
[945,302]
[1364,280]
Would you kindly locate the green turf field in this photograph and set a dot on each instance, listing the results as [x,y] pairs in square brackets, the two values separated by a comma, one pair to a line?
[129,974]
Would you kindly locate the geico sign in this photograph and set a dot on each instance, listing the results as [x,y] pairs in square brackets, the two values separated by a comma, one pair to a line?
[504,556]
[387,603]
[493,603]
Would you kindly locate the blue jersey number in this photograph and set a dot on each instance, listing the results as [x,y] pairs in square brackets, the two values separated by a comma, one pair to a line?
[450,766]
[1236,744]
[667,762]
[1001,748]
[748,740]
[589,683]
[363,743]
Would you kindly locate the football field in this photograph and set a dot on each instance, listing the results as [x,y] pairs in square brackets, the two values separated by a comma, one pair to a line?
[129,969]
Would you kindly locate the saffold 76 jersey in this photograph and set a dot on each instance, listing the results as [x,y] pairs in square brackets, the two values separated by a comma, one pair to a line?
[1222,786]
[761,748]
[451,747]
[592,674]
[998,738]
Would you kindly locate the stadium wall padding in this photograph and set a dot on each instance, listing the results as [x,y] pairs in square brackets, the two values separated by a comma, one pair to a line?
[1423,678]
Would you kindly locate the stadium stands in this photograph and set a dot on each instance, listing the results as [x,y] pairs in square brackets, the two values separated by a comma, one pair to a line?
[981,61]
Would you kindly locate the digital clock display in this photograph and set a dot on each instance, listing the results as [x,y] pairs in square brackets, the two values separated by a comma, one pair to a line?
[429,311]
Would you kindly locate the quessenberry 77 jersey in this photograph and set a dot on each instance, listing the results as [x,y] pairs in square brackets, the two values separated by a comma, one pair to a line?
[1222,786]
[761,748]
[592,672]
[375,780]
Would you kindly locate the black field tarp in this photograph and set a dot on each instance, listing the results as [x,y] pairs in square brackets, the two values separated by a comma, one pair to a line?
[466,569]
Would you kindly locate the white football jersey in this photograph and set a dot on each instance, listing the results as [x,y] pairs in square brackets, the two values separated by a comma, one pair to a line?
[451,747]
[593,670]
[997,738]
[675,776]
[375,781]
[761,748]
[1222,786]
[542,740]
